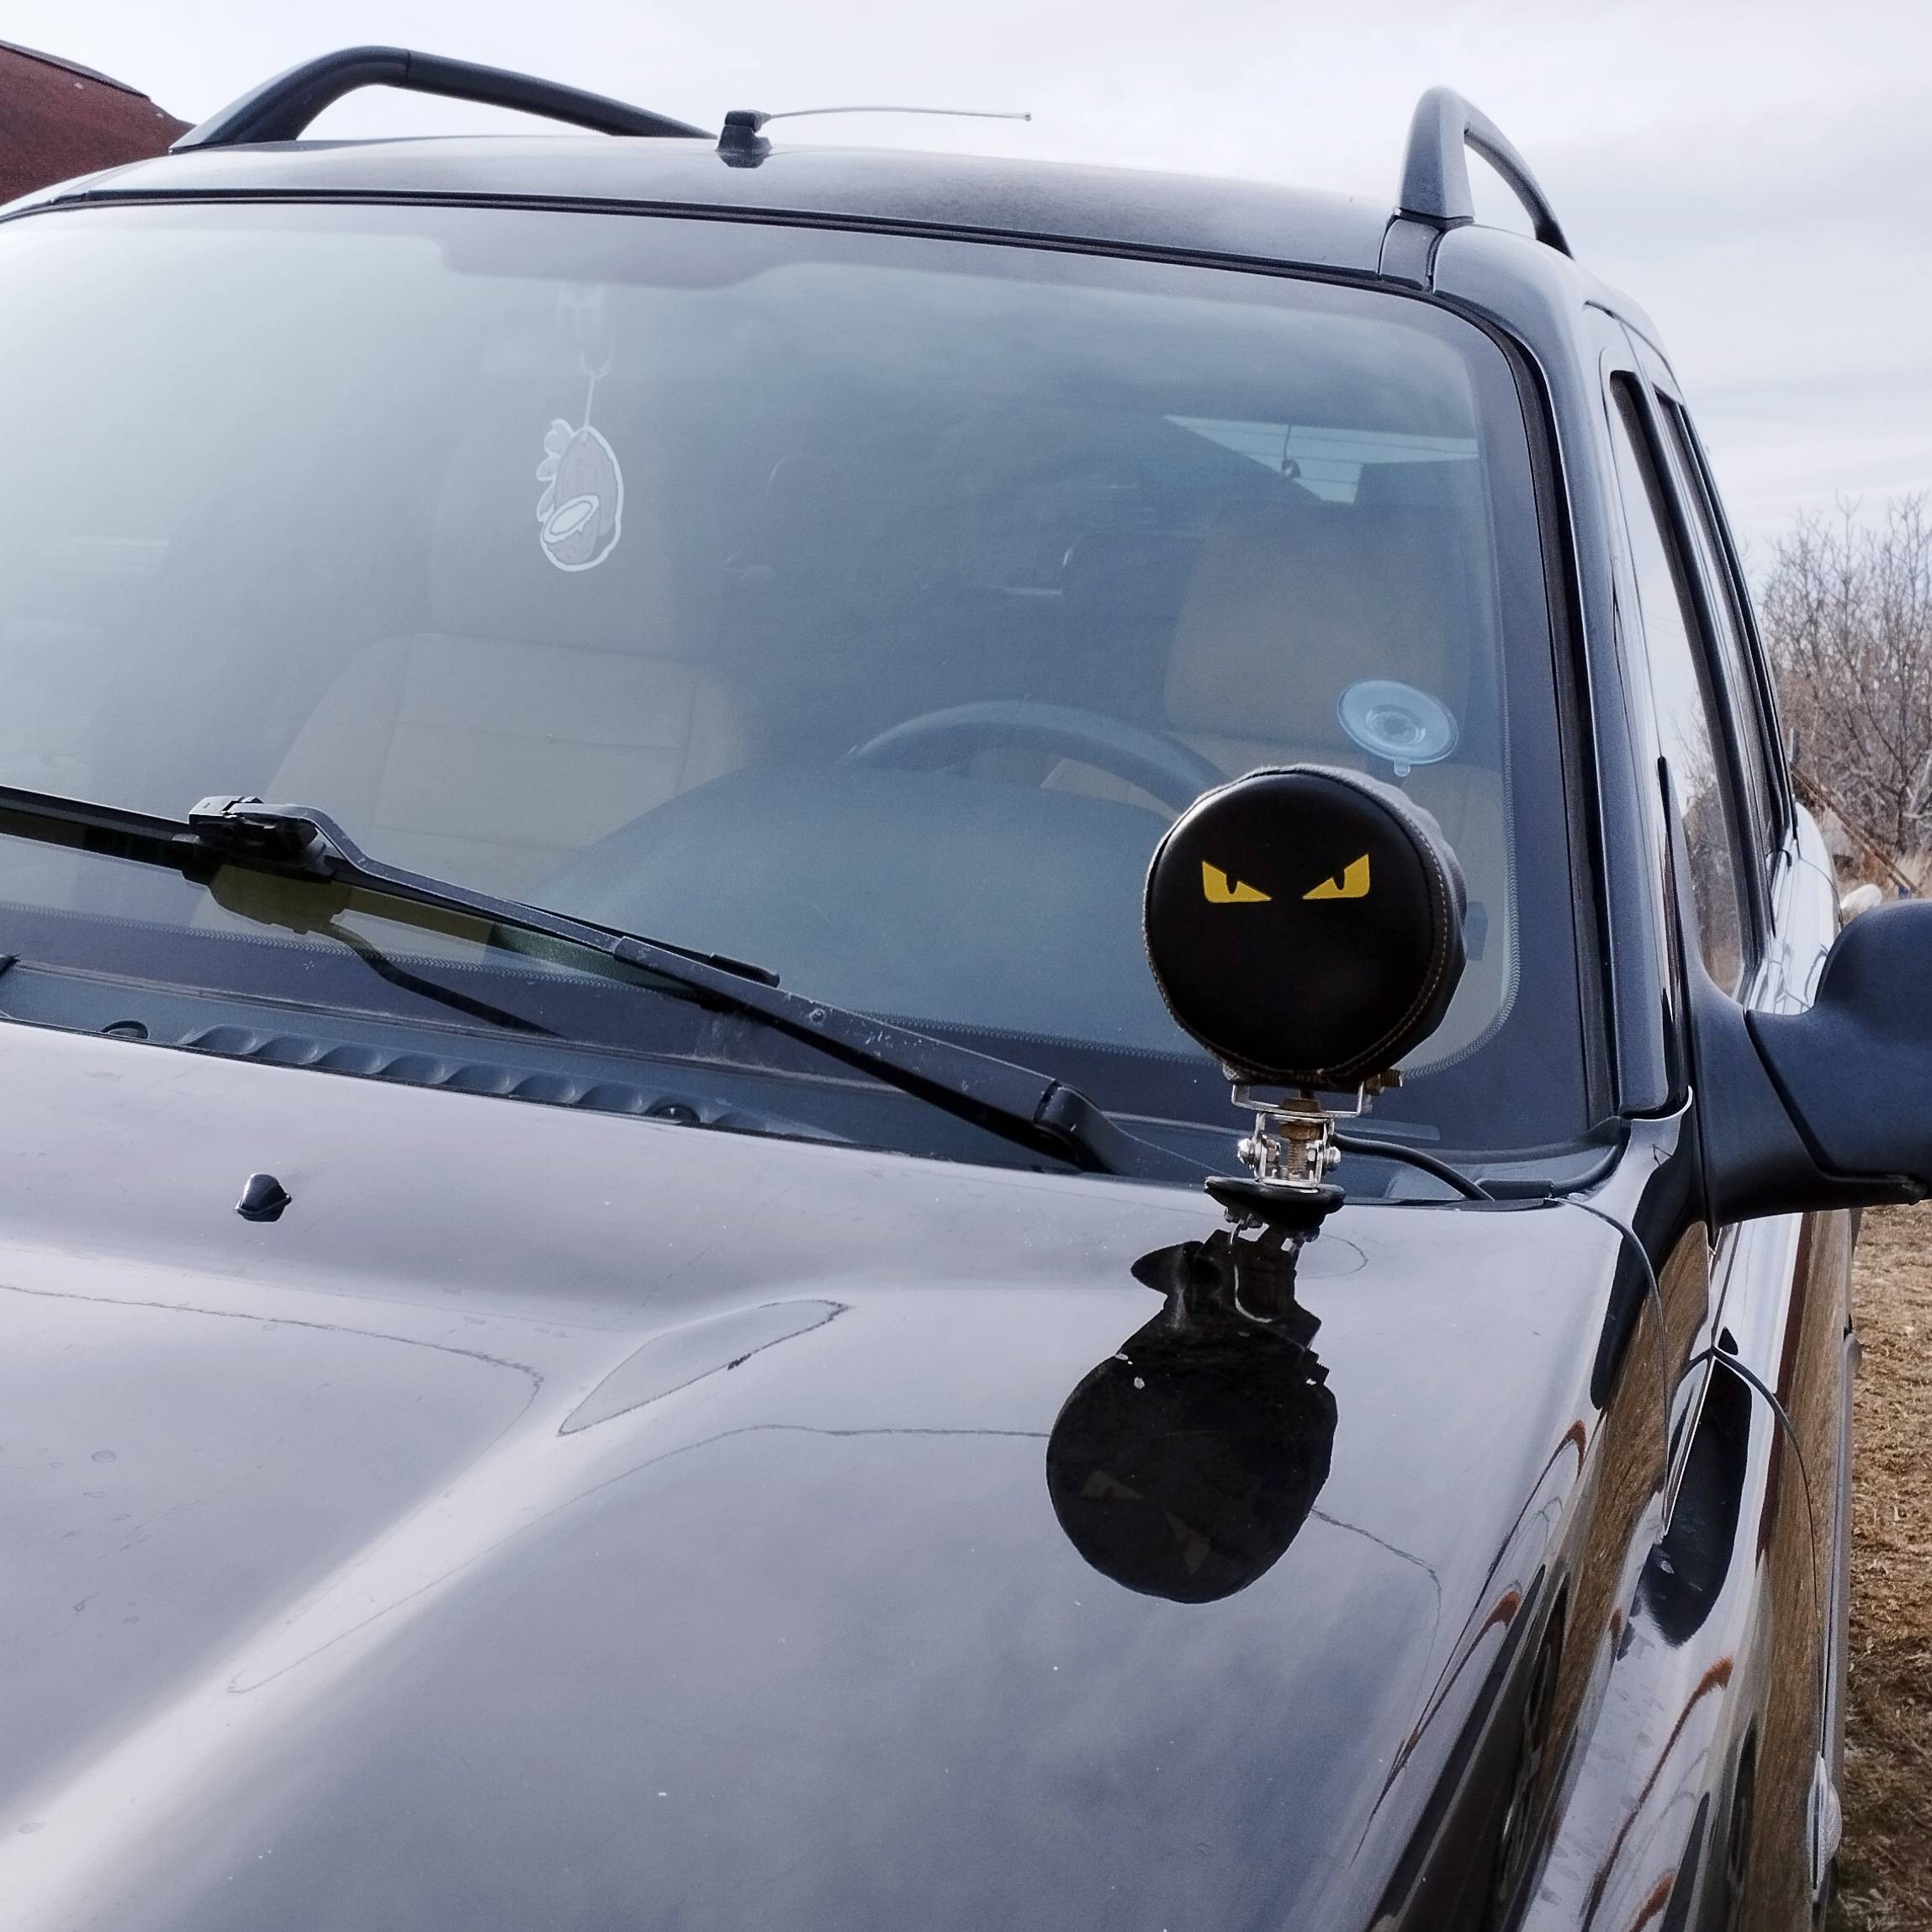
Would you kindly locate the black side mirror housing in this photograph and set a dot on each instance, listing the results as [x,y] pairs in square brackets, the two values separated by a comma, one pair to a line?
[1805,1112]
[1831,1108]
[1842,1114]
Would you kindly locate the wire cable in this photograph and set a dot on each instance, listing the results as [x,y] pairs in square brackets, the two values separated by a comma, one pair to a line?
[1656,1297]
[1724,1356]
[1472,1190]
[1413,1157]
[1751,1380]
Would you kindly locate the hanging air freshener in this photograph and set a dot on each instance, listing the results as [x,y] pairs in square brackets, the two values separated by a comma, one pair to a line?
[580,515]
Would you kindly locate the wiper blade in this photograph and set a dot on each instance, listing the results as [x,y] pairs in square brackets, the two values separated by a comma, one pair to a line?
[379,963]
[131,834]
[1017,1103]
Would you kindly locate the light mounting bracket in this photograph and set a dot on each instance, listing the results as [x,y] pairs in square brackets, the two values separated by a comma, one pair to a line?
[1290,1153]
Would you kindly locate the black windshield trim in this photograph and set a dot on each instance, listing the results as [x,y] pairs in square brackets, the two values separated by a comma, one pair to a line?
[736,212]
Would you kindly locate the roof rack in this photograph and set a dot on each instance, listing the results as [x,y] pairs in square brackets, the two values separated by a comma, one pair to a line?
[1436,170]
[280,109]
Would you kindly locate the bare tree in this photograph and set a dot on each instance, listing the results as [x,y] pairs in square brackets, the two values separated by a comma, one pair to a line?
[1847,611]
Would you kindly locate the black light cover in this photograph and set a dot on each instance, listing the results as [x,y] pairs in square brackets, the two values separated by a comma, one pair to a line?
[1304,924]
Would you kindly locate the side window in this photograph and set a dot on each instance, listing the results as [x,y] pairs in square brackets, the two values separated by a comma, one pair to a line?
[1733,651]
[1688,730]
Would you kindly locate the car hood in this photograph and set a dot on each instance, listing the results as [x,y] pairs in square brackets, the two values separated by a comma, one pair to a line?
[578,1522]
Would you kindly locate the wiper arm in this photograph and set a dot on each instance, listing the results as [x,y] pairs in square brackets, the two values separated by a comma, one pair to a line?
[1017,1103]
[1013,1101]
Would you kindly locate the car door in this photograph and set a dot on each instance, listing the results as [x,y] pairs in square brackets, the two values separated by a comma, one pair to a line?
[1757,1479]
[1806,1258]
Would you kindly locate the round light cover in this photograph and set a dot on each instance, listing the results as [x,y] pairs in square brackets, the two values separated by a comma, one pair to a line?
[1397,722]
[1305,925]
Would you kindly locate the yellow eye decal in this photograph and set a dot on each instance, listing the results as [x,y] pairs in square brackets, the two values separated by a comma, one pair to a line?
[1353,884]
[1219,890]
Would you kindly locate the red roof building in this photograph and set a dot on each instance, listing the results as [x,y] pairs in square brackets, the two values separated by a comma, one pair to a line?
[57,121]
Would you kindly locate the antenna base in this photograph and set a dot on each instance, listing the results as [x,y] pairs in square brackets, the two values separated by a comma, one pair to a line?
[739,143]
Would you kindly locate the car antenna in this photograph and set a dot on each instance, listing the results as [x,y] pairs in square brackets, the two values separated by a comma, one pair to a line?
[740,144]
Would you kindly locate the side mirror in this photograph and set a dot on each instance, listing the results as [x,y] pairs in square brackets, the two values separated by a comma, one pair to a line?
[1831,1108]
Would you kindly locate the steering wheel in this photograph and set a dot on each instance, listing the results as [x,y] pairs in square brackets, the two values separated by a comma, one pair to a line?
[1160,765]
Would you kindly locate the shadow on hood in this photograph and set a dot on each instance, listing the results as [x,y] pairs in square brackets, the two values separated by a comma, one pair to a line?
[1184,1464]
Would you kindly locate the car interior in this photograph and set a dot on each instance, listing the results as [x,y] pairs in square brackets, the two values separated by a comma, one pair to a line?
[744,729]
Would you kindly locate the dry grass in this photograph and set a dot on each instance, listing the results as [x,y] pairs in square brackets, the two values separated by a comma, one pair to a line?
[1885,1873]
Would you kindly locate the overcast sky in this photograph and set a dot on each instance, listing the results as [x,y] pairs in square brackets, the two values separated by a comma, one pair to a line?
[1755,175]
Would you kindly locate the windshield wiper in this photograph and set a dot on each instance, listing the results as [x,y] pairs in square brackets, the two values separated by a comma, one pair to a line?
[238,889]
[1016,1103]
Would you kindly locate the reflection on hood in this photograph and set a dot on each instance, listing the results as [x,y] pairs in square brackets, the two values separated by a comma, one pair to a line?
[1184,1464]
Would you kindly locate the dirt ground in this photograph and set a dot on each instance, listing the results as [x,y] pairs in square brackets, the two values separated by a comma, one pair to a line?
[1885,1869]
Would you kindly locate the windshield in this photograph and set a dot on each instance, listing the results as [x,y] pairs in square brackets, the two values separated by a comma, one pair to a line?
[862,606]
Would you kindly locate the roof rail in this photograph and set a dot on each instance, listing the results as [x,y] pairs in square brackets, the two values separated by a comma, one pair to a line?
[1435,171]
[280,109]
